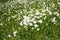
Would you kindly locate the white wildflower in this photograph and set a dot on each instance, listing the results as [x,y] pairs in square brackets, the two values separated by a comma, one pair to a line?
[35,25]
[38,29]
[34,21]
[21,23]
[14,33]
[13,16]
[32,28]
[40,21]
[53,20]
[50,12]
[57,14]
[9,35]
[30,24]
[37,12]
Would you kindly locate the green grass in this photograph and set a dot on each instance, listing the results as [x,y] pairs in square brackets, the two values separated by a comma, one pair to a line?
[13,26]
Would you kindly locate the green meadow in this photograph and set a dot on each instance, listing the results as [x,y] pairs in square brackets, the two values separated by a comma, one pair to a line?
[29,19]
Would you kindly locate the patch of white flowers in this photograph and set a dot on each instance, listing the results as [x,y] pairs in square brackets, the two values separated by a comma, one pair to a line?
[33,16]
[26,20]
[57,14]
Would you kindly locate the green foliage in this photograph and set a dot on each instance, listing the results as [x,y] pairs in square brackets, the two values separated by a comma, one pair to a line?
[4,1]
[12,13]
